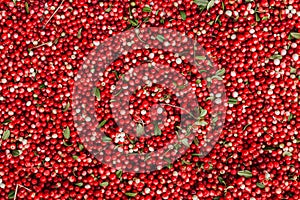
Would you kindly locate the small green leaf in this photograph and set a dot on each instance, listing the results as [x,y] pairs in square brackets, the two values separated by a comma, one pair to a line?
[221,72]
[67,133]
[81,147]
[197,154]
[185,142]
[97,93]
[7,121]
[276,56]
[291,116]
[287,153]
[130,194]
[221,180]
[257,18]
[79,184]
[66,107]
[265,18]
[66,144]
[182,15]
[293,70]
[200,57]
[201,123]
[106,139]
[104,184]
[79,33]
[140,129]
[134,22]
[232,101]
[269,148]
[260,185]
[108,9]
[16,153]
[15,2]
[6,135]
[101,124]
[246,126]
[196,141]
[27,8]
[11,194]
[295,35]
[75,157]
[157,130]
[160,38]
[119,173]
[245,173]
[203,112]
[42,86]
[210,4]
[147,9]
[201,3]
[223,6]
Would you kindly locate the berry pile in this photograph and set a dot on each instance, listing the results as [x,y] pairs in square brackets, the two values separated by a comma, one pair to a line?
[255,48]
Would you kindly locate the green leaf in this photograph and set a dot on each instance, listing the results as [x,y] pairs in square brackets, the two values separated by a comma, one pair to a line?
[160,38]
[210,4]
[221,72]
[81,147]
[232,101]
[119,173]
[97,93]
[11,194]
[257,18]
[157,130]
[269,148]
[16,153]
[223,6]
[295,35]
[79,184]
[6,135]
[27,8]
[108,9]
[67,133]
[260,185]
[106,139]
[287,153]
[101,124]
[15,2]
[203,112]
[201,3]
[221,180]
[196,141]
[246,126]
[245,173]
[276,56]
[197,154]
[293,70]
[185,142]
[66,107]
[182,15]
[200,57]
[130,194]
[147,9]
[79,33]
[7,121]
[265,18]
[134,22]
[201,123]
[75,157]
[66,144]
[291,116]
[140,129]
[104,184]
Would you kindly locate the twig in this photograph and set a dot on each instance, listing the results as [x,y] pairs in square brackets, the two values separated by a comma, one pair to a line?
[16,192]
[53,14]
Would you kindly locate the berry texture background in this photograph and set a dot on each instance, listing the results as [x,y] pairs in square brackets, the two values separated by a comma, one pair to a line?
[252,48]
